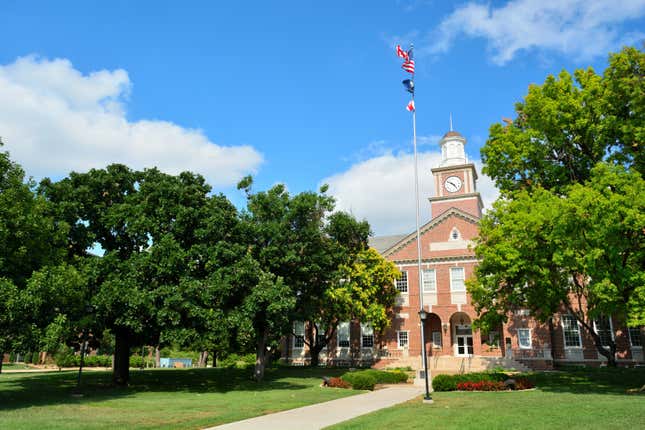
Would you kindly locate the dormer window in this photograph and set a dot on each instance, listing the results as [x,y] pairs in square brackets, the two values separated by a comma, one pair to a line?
[455,235]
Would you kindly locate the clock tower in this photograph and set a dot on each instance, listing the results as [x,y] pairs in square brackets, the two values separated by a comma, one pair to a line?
[455,179]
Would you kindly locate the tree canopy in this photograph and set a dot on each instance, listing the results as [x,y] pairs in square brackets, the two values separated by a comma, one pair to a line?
[568,232]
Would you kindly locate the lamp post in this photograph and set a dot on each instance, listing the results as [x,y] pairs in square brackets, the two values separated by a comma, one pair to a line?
[423,316]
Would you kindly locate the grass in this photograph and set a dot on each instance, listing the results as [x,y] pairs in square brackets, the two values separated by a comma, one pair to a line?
[171,399]
[572,399]
[15,366]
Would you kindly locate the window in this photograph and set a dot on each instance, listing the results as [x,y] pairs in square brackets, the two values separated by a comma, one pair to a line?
[367,336]
[343,335]
[402,337]
[436,339]
[429,281]
[522,312]
[402,283]
[454,235]
[299,334]
[320,334]
[524,338]
[493,338]
[635,337]
[603,328]
[571,332]
[457,279]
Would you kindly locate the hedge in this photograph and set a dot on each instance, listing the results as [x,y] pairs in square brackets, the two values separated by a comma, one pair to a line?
[449,382]
[366,379]
[359,380]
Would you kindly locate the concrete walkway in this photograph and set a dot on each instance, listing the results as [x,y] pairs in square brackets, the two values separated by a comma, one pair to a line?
[325,414]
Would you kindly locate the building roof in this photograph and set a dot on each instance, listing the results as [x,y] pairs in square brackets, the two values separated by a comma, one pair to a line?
[382,243]
[453,134]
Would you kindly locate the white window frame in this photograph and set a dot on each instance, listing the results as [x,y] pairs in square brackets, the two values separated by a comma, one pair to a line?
[611,330]
[452,279]
[452,232]
[564,338]
[437,341]
[349,334]
[367,328]
[433,280]
[398,283]
[407,339]
[297,336]
[519,338]
[629,334]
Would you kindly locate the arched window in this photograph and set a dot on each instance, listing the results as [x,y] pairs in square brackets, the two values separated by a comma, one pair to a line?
[454,234]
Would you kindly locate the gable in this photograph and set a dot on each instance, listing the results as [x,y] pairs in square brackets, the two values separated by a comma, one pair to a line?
[437,238]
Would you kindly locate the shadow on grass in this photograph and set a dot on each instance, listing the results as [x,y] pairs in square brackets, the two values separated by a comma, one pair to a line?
[20,390]
[586,380]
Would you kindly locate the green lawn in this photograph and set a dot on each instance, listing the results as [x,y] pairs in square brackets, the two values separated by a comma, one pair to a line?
[172,399]
[15,366]
[576,399]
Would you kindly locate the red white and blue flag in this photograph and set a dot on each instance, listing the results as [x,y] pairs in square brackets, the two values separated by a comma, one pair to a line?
[401,53]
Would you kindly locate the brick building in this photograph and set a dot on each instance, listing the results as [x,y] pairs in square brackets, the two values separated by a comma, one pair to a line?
[447,261]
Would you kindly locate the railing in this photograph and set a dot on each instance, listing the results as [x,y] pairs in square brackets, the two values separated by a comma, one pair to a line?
[532,354]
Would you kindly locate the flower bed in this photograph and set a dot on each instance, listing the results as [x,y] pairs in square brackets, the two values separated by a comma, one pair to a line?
[482,381]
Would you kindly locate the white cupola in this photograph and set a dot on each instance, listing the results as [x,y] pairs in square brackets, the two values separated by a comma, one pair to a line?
[452,149]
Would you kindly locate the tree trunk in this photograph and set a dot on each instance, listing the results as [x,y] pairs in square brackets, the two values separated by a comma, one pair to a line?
[157,357]
[260,356]
[203,358]
[314,352]
[121,370]
[214,358]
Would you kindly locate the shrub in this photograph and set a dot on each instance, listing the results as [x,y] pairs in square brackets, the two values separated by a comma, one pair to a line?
[449,382]
[360,380]
[27,357]
[12,357]
[35,357]
[66,358]
[237,361]
[97,361]
[338,383]
[380,376]
[523,384]
[481,386]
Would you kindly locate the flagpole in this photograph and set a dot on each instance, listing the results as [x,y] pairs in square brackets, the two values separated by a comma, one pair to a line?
[416,195]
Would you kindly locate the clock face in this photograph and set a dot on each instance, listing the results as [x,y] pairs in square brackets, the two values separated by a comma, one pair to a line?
[453,184]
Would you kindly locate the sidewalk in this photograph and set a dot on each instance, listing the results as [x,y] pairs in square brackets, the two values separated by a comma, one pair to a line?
[325,414]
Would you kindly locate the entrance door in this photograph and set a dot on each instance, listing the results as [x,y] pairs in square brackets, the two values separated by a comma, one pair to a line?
[464,337]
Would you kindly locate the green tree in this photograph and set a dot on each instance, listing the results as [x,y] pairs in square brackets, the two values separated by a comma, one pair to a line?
[157,232]
[582,253]
[568,124]
[363,291]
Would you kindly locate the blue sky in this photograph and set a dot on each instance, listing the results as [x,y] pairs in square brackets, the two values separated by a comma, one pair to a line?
[300,92]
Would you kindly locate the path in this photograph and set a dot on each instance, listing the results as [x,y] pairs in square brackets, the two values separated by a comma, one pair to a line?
[325,414]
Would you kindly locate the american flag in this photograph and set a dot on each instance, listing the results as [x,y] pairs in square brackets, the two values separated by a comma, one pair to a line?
[408,66]
[410,106]
[401,53]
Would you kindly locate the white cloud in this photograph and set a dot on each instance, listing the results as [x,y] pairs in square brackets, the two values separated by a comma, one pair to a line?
[54,119]
[579,28]
[381,190]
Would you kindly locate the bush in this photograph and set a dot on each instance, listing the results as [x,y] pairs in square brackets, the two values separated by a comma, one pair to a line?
[481,386]
[66,358]
[12,357]
[523,384]
[97,361]
[27,357]
[387,377]
[449,382]
[360,380]
[35,357]
[237,361]
[338,383]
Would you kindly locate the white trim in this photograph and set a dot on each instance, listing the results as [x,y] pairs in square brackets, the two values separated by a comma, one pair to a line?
[434,280]
[296,335]
[364,327]
[519,338]
[463,270]
[349,334]
[564,338]
[611,330]
[407,283]
[407,339]
[437,263]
